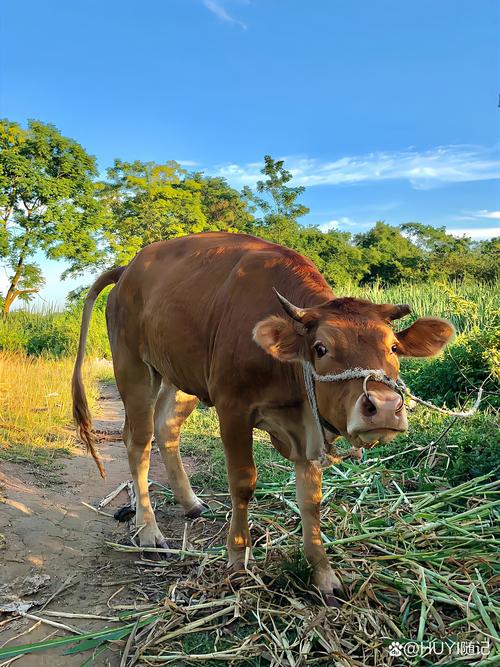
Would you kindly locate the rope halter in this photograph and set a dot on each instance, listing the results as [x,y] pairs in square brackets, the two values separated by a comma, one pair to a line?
[376,375]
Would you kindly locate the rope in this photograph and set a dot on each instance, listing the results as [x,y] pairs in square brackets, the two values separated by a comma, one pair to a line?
[354,373]
[451,413]
[377,375]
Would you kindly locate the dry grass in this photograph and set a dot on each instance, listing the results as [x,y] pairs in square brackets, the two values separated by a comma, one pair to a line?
[35,406]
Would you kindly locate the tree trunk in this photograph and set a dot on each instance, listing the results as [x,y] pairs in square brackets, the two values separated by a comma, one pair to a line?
[13,292]
[12,295]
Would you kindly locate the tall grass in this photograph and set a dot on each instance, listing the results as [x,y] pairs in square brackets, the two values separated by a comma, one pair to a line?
[50,332]
[35,406]
[466,305]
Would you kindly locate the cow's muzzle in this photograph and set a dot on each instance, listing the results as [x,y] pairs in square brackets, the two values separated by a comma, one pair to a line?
[378,415]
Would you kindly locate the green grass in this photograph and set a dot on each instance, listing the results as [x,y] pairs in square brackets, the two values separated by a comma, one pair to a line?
[458,449]
[200,438]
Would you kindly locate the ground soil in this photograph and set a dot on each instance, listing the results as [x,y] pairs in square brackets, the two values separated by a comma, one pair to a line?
[48,530]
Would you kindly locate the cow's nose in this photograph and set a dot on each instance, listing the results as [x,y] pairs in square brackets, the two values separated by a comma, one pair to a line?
[372,405]
[378,414]
[368,407]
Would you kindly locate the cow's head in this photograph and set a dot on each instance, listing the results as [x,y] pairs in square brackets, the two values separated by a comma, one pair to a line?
[353,333]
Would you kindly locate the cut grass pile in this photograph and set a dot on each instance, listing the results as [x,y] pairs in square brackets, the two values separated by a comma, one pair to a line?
[420,565]
[35,406]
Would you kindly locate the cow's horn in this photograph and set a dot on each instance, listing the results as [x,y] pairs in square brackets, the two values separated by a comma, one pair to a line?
[400,310]
[294,312]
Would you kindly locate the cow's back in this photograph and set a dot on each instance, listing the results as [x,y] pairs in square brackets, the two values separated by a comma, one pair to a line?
[189,305]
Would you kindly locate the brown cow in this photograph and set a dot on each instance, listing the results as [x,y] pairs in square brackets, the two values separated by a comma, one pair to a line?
[196,318]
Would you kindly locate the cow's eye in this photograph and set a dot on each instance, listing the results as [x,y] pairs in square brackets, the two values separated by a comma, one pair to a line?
[320,349]
[394,348]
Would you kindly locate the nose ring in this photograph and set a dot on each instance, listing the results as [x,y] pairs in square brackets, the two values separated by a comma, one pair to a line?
[365,390]
[367,394]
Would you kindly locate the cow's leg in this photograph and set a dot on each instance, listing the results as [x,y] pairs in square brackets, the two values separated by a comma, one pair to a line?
[242,474]
[139,385]
[173,407]
[308,480]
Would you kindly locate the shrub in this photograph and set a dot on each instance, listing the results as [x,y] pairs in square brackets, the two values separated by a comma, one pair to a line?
[472,360]
[457,450]
[48,336]
[55,334]
[13,334]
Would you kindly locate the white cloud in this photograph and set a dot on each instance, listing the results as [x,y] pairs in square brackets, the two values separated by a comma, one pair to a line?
[483,214]
[476,233]
[327,226]
[221,13]
[492,215]
[188,163]
[344,221]
[423,169]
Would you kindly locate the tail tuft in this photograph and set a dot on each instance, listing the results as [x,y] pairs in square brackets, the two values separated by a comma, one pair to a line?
[83,421]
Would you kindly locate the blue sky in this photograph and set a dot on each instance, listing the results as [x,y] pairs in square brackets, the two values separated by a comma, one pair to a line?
[383,109]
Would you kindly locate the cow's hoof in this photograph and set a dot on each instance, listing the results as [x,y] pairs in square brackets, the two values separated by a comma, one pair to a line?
[160,543]
[236,574]
[332,600]
[334,597]
[330,587]
[124,513]
[197,509]
[236,566]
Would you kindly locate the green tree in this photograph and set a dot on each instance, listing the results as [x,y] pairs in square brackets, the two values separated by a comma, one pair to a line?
[225,209]
[278,203]
[47,204]
[389,255]
[148,202]
[333,253]
[452,257]
[488,268]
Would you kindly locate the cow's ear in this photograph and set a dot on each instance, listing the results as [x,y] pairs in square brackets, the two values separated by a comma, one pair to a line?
[426,337]
[279,337]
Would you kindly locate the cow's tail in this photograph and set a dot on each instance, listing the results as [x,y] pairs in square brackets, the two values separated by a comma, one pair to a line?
[81,412]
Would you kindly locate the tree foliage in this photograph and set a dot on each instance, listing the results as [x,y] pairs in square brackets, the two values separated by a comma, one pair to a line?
[388,255]
[148,202]
[278,204]
[47,203]
[52,203]
[225,208]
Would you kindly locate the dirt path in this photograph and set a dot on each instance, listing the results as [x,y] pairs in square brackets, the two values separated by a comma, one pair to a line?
[48,531]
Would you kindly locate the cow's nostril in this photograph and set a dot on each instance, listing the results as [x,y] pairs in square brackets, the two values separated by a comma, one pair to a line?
[367,407]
